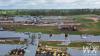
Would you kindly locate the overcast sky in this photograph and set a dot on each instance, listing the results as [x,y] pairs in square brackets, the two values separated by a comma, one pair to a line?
[49,4]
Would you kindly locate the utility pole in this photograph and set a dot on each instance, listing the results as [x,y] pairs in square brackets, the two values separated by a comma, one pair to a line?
[39,35]
[32,38]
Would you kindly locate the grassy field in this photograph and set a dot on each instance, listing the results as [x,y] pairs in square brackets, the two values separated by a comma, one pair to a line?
[83,18]
[81,44]
[13,42]
[88,26]
[73,44]
[77,44]
[91,28]
[47,30]
[55,44]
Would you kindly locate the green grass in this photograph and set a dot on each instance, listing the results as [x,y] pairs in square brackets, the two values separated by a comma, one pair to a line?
[38,29]
[13,42]
[93,28]
[47,30]
[73,44]
[77,44]
[87,25]
[81,44]
[55,30]
[55,44]
[97,25]
[82,18]
[85,20]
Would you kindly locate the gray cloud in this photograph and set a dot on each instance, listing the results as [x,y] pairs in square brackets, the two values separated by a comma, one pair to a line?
[49,4]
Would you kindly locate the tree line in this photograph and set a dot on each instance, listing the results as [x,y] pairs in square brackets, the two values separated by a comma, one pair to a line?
[49,12]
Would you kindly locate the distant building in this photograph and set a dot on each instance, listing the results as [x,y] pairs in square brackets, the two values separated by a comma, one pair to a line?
[54,19]
[39,21]
[63,22]
[6,20]
[23,20]
[16,20]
